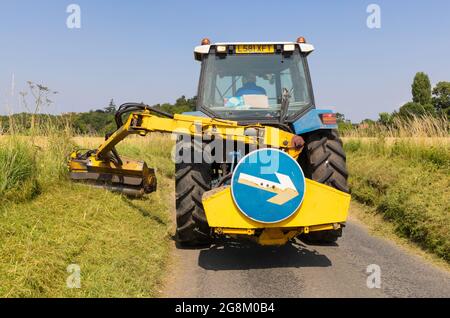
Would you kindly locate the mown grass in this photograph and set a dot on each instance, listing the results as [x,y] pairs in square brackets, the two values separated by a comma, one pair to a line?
[407,181]
[121,245]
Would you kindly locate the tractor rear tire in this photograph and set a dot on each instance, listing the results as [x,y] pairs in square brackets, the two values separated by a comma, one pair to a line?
[323,160]
[191,181]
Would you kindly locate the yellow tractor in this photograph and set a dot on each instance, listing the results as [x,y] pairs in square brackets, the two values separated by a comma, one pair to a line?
[256,159]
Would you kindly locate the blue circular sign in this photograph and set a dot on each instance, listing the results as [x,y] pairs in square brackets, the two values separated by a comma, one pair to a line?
[268,185]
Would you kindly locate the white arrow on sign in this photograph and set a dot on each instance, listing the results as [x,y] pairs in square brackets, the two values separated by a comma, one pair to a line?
[285,189]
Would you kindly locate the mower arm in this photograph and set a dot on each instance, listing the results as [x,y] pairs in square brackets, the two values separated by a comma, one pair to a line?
[104,167]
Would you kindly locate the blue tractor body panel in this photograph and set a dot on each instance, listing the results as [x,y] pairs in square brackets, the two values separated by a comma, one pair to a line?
[311,121]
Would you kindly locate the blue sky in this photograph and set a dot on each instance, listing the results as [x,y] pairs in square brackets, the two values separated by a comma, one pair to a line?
[143,50]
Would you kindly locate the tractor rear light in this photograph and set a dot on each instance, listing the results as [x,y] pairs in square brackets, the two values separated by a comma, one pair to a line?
[328,119]
[221,49]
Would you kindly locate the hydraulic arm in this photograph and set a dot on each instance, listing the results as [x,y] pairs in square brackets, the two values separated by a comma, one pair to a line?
[104,167]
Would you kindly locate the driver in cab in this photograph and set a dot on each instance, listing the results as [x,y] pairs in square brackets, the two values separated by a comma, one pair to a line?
[249,86]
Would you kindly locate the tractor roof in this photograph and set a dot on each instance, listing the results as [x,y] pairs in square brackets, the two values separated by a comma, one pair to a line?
[249,43]
[203,49]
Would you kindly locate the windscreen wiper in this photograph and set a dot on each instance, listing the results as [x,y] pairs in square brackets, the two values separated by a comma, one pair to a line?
[286,96]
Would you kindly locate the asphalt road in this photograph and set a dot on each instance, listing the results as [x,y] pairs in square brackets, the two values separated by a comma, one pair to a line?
[300,270]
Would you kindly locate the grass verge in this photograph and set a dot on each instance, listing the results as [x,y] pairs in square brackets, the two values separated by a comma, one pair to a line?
[406,182]
[377,225]
[17,171]
[121,245]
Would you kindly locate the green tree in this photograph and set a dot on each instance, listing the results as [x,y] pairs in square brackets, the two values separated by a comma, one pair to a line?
[111,108]
[441,98]
[415,109]
[94,122]
[344,124]
[340,118]
[421,89]
[385,119]
[368,122]
[181,105]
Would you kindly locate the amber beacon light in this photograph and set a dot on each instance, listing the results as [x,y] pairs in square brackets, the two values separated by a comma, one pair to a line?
[206,41]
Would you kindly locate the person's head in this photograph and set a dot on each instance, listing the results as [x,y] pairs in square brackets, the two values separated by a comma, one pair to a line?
[249,78]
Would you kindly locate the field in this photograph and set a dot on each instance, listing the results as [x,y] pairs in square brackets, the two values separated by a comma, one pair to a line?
[122,245]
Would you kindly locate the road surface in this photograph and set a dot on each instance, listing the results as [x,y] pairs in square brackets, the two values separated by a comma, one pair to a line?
[300,270]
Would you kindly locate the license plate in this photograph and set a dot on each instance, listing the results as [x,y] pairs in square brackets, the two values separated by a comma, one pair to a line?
[255,49]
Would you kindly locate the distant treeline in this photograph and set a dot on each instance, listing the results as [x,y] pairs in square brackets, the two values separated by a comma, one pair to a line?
[427,102]
[95,122]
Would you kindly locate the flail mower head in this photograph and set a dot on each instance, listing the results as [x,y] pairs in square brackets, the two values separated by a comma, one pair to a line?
[130,177]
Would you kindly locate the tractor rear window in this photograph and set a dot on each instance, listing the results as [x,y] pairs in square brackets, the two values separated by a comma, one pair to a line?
[250,86]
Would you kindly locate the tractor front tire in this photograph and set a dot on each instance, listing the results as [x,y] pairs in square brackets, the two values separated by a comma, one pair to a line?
[191,181]
[323,160]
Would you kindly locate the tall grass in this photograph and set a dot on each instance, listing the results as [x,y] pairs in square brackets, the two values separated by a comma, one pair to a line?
[404,174]
[412,127]
[47,222]
[435,151]
[17,170]
[32,160]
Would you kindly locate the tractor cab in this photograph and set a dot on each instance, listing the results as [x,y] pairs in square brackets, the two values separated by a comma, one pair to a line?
[255,81]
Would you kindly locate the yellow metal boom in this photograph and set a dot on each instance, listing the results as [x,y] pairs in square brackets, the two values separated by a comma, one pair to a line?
[103,166]
[143,123]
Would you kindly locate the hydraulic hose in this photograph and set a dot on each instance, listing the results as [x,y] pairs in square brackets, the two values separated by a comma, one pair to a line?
[131,107]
